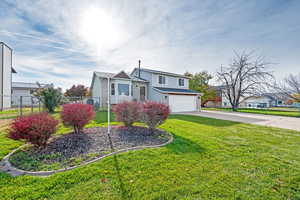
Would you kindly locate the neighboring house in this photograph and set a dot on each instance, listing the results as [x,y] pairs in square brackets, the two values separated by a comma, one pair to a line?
[217,101]
[264,101]
[146,84]
[6,71]
[25,91]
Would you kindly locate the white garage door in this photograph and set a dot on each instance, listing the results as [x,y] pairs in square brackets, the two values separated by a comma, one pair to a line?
[182,103]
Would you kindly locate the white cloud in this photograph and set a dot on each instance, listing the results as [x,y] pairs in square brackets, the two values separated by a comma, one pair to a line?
[64,41]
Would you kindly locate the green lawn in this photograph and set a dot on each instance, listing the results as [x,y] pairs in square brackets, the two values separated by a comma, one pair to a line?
[15,112]
[272,111]
[209,159]
[101,116]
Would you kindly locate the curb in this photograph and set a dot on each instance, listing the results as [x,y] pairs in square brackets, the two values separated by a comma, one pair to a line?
[6,166]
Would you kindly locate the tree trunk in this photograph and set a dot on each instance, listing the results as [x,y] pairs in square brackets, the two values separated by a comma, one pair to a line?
[234,108]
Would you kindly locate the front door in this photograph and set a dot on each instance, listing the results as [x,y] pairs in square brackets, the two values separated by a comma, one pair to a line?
[142,93]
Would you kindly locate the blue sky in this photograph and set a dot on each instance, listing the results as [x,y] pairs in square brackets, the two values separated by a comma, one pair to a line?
[63,42]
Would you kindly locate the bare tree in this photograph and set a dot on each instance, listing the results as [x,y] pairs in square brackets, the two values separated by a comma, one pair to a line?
[246,75]
[290,87]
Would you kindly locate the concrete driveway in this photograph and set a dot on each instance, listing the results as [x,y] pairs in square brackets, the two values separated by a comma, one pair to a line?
[292,123]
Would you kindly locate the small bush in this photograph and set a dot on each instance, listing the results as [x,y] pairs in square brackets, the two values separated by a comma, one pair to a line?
[155,113]
[35,129]
[50,97]
[77,115]
[128,112]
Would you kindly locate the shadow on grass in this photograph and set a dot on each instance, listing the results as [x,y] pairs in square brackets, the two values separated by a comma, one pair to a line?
[124,192]
[203,120]
[182,145]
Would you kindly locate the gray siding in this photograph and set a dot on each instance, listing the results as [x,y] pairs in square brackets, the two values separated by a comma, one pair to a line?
[6,76]
[157,96]
[96,91]
[171,81]
[104,90]
[1,75]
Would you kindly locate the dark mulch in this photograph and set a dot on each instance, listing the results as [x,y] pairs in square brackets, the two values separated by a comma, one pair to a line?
[93,142]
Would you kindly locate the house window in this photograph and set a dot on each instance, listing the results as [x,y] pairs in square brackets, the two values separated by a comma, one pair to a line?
[113,89]
[161,79]
[181,82]
[123,89]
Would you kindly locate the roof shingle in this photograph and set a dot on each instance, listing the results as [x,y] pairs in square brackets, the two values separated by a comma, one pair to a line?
[176,90]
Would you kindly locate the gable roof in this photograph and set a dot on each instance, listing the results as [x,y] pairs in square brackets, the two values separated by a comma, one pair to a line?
[121,74]
[160,72]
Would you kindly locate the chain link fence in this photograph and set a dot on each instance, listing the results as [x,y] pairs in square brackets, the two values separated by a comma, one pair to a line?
[14,106]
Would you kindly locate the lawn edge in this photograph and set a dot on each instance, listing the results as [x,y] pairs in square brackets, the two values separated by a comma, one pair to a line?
[6,166]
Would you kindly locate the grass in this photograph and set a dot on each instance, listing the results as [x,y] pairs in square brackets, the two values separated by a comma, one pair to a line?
[209,159]
[101,116]
[272,111]
[15,112]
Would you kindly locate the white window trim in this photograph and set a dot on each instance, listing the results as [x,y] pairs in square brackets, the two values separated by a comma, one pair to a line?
[129,89]
[166,80]
[184,82]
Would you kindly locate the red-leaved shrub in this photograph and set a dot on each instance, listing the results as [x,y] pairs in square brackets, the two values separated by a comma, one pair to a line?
[77,115]
[128,112]
[155,113]
[35,129]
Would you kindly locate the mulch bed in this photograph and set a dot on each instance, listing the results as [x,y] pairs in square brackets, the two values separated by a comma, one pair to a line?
[92,143]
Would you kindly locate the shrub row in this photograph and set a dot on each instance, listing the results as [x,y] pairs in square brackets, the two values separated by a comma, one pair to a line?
[35,128]
[151,113]
[38,128]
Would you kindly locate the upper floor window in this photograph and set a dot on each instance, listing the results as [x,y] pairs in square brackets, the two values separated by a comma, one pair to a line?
[161,79]
[181,82]
[113,89]
[123,89]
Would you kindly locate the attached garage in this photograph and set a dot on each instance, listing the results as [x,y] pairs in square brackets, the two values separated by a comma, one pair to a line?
[182,103]
[180,100]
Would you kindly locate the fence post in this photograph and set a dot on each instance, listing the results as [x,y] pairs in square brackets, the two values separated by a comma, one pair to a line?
[21,102]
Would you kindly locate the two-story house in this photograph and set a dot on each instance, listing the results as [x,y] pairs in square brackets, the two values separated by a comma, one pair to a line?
[146,84]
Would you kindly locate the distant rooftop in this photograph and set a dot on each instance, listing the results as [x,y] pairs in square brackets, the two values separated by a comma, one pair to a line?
[28,85]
